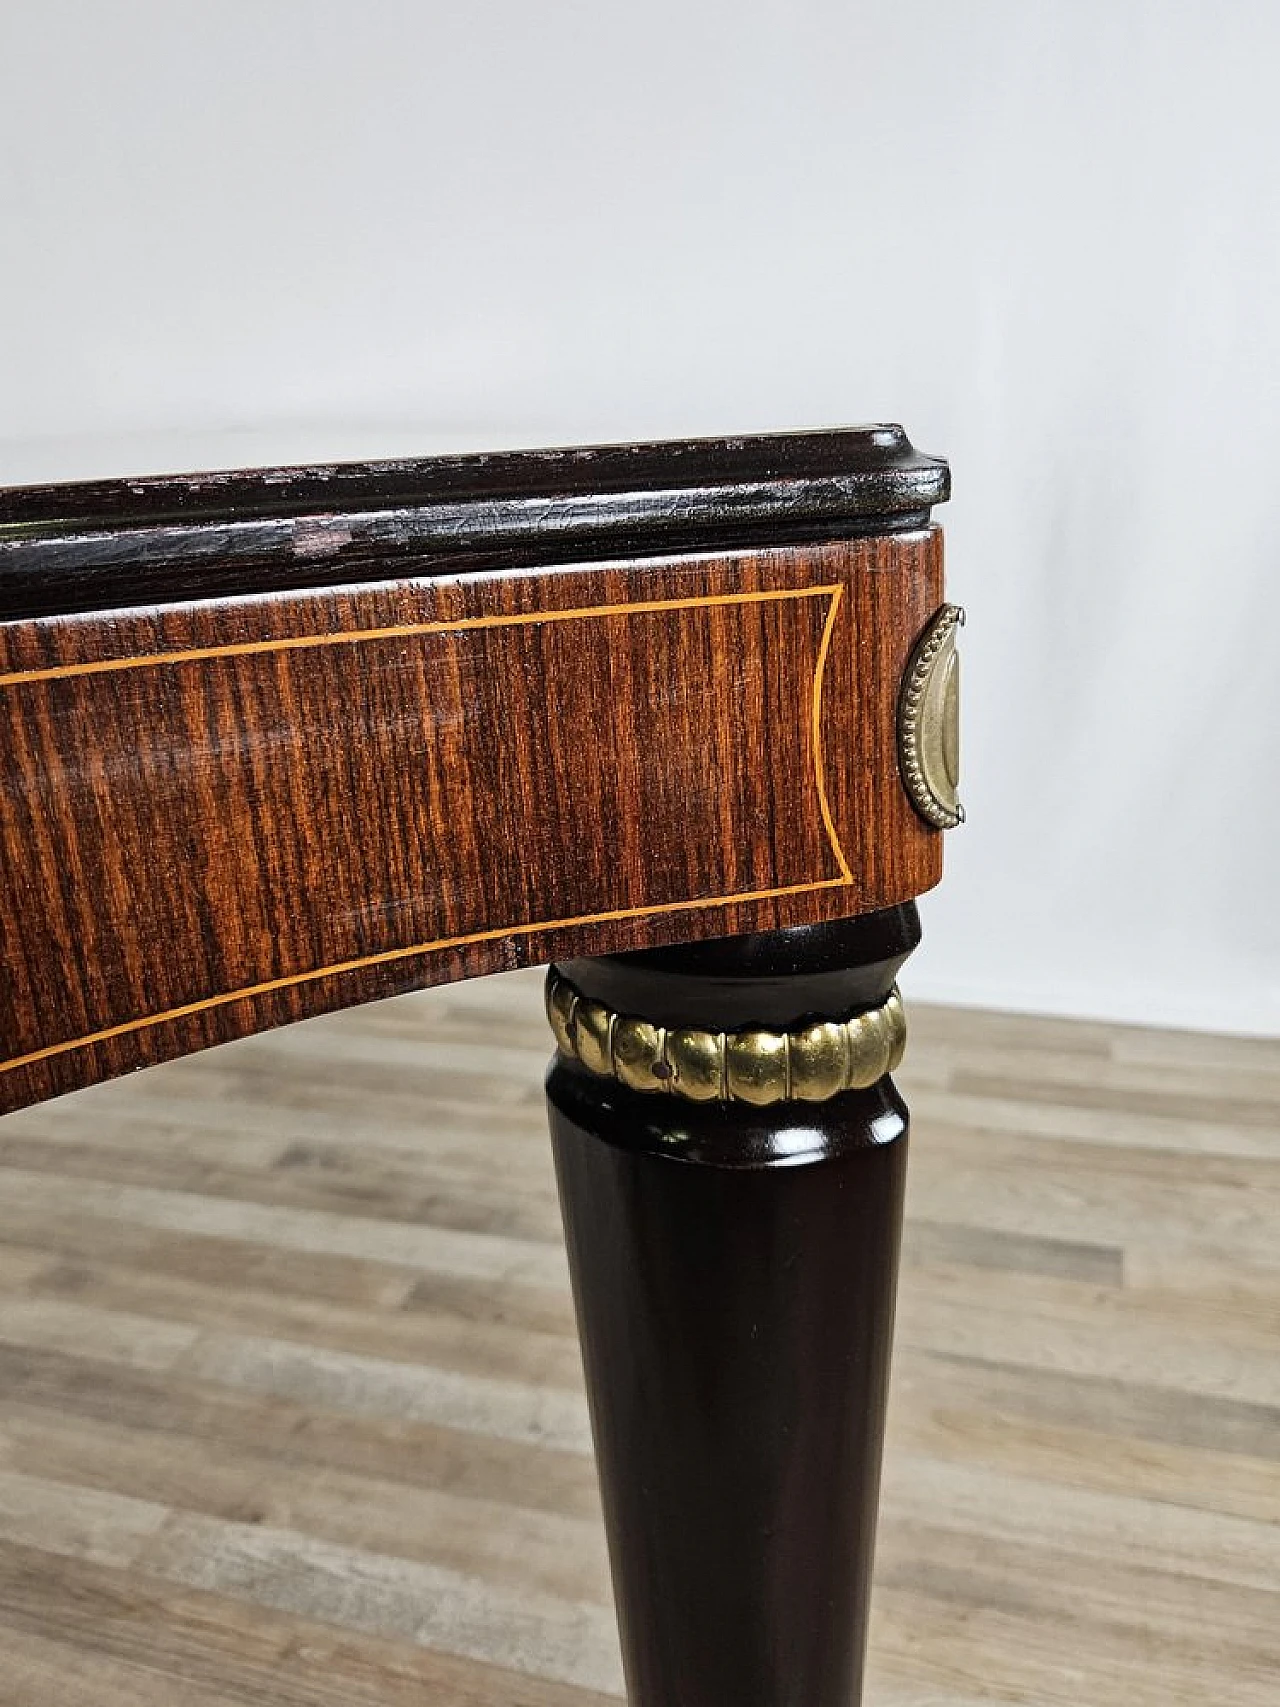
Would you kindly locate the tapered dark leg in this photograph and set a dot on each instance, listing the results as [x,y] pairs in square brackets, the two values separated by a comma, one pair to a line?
[733,1237]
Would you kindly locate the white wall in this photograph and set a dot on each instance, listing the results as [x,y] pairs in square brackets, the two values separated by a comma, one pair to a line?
[1044,237]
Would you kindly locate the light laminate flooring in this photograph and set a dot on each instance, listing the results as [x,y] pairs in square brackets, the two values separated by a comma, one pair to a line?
[291,1412]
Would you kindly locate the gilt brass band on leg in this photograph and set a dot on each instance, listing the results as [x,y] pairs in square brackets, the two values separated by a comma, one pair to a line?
[809,1064]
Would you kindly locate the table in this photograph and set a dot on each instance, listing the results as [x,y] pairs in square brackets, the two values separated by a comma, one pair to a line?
[679,719]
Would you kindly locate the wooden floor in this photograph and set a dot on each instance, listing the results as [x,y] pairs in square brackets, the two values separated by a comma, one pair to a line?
[290,1406]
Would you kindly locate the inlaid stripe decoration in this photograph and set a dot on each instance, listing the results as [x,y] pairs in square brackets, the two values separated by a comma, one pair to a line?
[122,1026]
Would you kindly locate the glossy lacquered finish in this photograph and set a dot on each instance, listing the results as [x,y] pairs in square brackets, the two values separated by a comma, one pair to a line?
[734,1274]
[223,815]
[118,543]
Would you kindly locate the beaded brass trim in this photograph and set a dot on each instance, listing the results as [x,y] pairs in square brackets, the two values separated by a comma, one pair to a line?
[810,1064]
[929,722]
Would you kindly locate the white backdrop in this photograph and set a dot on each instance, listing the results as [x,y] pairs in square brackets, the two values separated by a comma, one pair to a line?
[1045,238]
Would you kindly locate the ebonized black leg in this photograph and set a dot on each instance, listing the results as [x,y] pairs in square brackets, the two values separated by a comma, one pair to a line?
[733,1239]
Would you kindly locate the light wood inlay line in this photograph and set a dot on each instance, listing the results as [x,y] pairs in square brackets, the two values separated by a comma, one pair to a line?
[818,772]
[402,631]
[395,954]
[408,952]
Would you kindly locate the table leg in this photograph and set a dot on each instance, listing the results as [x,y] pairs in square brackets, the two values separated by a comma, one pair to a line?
[731,1173]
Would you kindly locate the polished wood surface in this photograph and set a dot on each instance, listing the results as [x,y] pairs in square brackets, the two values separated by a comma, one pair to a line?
[222,817]
[291,1412]
[253,806]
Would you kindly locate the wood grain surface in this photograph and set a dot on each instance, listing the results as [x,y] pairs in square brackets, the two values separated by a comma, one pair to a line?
[291,1412]
[227,814]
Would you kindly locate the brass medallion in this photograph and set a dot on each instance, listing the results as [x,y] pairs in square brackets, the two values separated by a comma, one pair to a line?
[929,722]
